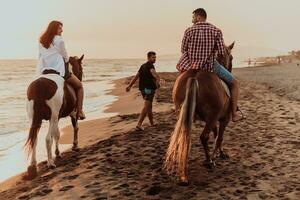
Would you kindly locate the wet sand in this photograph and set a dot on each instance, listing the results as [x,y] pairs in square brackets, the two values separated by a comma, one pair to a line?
[264,154]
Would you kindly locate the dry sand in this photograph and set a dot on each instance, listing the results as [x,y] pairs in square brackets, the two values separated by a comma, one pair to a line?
[264,154]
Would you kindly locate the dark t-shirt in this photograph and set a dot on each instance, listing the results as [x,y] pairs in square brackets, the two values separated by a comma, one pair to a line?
[146,78]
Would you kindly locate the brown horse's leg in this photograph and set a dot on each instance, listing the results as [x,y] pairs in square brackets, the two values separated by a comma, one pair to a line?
[177,108]
[223,125]
[216,131]
[218,143]
[178,93]
[75,131]
[209,126]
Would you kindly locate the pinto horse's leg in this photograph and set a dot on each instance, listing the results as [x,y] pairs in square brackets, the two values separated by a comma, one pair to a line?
[56,136]
[33,154]
[209,126]
[49,140]
[32,169]
[75,131]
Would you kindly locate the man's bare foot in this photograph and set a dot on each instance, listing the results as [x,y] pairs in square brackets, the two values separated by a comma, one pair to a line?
[139,128]
[237,117]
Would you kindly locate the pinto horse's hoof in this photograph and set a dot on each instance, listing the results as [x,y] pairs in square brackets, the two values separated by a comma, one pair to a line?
[75,148]
[51,164]
[57,153]
[31,173]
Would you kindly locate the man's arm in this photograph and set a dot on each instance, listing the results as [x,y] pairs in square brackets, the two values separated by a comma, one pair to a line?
[133,80]
[220,44]
[185,41]
[156,76]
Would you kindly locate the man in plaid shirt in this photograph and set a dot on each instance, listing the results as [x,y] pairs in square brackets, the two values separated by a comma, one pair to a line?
[200,46]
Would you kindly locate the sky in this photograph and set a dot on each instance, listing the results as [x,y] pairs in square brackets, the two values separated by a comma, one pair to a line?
[130,28]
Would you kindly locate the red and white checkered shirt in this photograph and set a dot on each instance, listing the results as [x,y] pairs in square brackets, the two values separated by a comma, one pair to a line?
[198,44]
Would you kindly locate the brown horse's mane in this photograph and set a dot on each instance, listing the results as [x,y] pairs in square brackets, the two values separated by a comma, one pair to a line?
[226,60]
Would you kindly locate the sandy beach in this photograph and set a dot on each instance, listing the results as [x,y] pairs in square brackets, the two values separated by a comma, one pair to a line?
[117,162]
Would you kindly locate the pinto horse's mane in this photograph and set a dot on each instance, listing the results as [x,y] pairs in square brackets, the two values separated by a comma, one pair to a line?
[76,64]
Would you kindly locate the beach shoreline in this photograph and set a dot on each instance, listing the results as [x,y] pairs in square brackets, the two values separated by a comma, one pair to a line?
[118,162]
[126,104]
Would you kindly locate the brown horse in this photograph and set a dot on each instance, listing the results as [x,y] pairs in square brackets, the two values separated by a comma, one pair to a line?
[50,98]
[200,93]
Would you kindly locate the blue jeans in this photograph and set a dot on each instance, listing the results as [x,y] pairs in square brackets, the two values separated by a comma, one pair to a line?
[223,73]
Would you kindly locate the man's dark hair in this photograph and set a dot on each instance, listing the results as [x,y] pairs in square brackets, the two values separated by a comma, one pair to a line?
[151,53]
[200,12]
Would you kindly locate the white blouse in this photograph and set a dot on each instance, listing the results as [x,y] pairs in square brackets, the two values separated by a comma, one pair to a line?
[54,57]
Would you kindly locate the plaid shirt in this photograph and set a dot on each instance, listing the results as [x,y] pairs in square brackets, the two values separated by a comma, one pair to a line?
[197,48]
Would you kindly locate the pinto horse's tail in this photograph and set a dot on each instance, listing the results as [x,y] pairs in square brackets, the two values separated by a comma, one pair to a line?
[179,147]
[35,101]
[33,131]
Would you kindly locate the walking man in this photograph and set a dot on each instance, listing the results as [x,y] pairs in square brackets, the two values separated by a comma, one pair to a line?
[148,83]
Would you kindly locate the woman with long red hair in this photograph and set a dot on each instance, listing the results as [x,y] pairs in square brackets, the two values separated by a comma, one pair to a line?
[53,58]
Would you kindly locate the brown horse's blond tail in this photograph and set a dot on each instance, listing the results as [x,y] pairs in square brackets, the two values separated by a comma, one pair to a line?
[179,147]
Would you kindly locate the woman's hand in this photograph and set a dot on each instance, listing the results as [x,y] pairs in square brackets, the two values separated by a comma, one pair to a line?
[158,84]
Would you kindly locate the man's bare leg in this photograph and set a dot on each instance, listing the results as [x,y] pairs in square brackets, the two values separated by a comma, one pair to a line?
[150,115]
[234,100]
[144,113]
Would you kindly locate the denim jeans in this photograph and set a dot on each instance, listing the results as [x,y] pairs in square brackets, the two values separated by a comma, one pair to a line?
[223,73]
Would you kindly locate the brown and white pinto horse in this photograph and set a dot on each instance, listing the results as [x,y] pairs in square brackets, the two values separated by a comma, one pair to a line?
[50,98]
[200,93]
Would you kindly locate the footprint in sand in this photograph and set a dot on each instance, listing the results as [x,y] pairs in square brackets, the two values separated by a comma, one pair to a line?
[66,188]
[72,177]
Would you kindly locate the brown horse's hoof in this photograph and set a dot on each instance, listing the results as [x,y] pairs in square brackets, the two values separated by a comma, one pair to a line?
[31,173]
[183,183]
[209,164]
[223,155]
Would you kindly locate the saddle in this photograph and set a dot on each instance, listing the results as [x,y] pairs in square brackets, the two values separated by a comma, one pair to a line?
[226,88]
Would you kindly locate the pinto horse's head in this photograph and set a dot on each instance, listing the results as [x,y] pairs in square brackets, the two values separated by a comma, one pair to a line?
[226,60]
[76,64]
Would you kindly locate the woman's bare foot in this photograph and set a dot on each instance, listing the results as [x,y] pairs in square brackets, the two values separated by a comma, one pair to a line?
[80,115]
